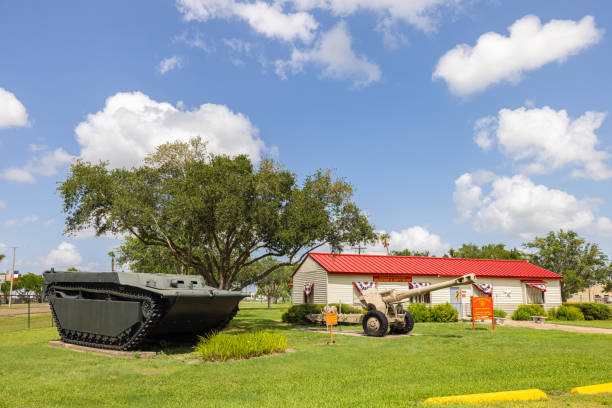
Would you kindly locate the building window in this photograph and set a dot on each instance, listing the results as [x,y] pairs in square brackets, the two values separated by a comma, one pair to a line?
[426,299]
[535,296]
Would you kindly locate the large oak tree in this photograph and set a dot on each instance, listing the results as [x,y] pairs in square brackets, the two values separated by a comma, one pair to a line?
[216,214]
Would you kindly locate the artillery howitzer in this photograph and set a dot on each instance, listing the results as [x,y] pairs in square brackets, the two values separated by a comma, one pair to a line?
[119,310]
[386,312]
[384,308]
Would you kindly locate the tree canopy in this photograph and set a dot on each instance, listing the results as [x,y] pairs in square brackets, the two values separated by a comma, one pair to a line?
[408,252]
[581,263]
[214,213]
[28,282]
[489,251]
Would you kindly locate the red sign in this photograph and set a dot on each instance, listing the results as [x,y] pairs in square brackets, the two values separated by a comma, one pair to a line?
[392,278]
[482,307]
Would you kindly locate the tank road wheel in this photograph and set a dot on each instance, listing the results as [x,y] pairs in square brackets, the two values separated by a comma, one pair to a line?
[375,323]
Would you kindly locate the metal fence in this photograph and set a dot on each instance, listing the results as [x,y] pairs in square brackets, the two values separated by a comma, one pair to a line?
[25,312]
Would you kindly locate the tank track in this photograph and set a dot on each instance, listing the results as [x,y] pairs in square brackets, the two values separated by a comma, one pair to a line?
[128,339]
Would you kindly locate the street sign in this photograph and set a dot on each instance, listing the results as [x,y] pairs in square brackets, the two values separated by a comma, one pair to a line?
[331,319]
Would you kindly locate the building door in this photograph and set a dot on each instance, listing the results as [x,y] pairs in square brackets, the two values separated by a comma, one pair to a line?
[455,299]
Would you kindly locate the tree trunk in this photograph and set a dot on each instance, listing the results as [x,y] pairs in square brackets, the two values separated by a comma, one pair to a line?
[269,298]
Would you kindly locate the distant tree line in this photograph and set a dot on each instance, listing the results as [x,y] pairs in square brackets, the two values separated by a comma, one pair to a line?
[28,283]
[581,263]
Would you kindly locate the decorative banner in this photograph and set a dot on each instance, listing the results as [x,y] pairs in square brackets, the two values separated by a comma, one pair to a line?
[538,286]
[392,278]
[308,288]
[485,288]
[414,285]
[16,276]
[361,286]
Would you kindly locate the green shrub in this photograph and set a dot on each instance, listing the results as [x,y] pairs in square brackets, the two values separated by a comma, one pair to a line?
[552,313]
[568,313]
[499,313]
[420,312]
[223,346]
[524,312]
[444,313]
[593,311]
[297,313]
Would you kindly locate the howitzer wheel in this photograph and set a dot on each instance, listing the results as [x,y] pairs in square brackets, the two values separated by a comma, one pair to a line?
[408,326]
[375,324]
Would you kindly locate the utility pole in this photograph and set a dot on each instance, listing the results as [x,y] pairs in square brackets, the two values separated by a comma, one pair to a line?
[12,275]
[359,248]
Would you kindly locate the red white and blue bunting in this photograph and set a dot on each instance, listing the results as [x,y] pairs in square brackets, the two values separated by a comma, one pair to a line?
[538,286]
[414,285]
[485,288]
[308,288]
[361,286]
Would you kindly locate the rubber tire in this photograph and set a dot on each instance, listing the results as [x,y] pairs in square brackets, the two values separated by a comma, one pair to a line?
[382,320]
[407,327]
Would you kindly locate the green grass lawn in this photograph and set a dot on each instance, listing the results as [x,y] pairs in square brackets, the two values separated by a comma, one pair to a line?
[603,324]
[22,306]
[445,359]
[20,322]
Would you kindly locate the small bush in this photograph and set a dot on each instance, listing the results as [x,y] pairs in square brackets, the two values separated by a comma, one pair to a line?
[552,313]
[223,346]
[420,312]
[348,309]
[568,313]
[593,311]
[444,313]
[499,313]
[297,313]
[524,312]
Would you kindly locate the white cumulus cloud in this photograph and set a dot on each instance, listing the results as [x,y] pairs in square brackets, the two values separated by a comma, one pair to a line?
[516,206]
[543,139]
[18,222]
[267,19]
[12,111]
[417,238]
[419,13]
[530,45]
[334,54]
[170,63]
[64,256]
[45,165]
[131,125]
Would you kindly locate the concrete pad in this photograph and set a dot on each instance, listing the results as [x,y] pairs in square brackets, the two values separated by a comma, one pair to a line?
[115,353]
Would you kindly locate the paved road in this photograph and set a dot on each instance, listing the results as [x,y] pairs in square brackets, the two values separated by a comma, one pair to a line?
[550,326]
[38,309]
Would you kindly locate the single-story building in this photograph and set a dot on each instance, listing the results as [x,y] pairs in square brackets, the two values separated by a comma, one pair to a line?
[594,293]
[338,278]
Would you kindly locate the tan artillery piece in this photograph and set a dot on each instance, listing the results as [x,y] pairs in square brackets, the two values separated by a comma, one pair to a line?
[385,312]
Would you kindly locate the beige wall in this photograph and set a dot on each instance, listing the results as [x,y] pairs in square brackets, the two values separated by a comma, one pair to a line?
[309,271]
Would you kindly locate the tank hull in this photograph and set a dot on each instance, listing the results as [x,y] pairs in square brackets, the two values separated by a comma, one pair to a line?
[120,310]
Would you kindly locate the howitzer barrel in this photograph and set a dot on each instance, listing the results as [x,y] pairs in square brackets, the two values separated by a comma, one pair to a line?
[395,296]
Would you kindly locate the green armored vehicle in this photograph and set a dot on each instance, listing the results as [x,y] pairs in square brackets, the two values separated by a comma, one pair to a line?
[119,310]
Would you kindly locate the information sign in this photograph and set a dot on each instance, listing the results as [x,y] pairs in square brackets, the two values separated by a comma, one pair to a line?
[482,308]
[331,319]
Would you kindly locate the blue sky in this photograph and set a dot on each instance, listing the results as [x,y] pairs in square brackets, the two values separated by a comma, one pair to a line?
[455,120]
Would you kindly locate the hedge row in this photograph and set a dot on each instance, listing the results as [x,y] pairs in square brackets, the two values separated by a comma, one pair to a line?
[439,313]
[567,311]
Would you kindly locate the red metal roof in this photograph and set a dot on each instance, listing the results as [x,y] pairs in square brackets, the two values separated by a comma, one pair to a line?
[351,264]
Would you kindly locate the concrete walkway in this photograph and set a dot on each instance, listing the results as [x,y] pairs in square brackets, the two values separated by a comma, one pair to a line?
[33,310]
[562,327]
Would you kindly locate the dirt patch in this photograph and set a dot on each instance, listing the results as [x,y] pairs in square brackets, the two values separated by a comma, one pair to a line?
[152,372]
[11,312]
[114,353]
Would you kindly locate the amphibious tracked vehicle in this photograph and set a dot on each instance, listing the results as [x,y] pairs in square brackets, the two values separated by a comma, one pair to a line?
[119,310]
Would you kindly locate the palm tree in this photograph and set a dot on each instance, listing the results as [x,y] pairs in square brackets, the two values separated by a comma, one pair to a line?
[112,255]
[385,239]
